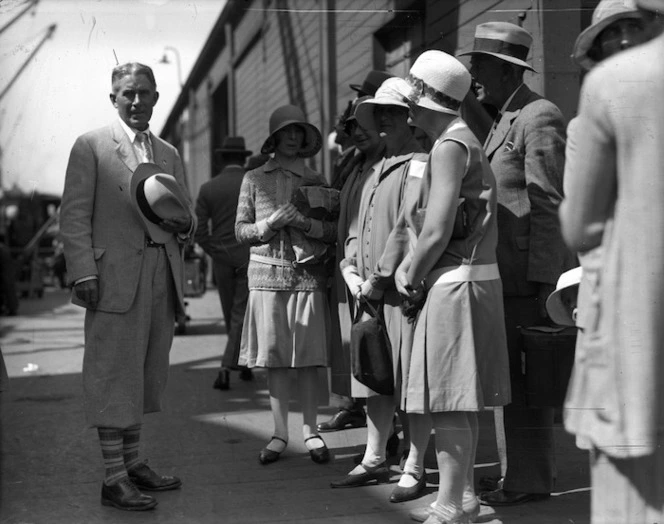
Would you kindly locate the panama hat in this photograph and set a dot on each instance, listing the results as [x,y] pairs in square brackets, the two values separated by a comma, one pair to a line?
[233,145]
[157,196]
[285,116]
[438,81]
[651,5]
[560,312]
[390,93]
[503,40]
[371,83]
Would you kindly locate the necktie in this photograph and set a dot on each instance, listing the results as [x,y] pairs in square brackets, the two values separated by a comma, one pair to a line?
[142,139]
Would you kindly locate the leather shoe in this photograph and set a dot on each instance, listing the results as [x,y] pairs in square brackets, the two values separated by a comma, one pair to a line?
[267,455]
[355,418]
[489,483]
[378,473]
[223,381]
[125,495]
[421,514]
[246,374]
[319,455]
[502,497]
[401,494]
[144,478]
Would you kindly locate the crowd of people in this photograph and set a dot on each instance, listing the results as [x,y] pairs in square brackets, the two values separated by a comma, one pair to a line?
[458,200]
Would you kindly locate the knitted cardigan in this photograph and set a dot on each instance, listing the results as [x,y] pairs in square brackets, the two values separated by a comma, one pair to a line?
[263,191]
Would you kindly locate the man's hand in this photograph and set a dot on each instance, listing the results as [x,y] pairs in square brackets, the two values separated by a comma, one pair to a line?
[176,225]
[282,216]
[88,292]
[542,294]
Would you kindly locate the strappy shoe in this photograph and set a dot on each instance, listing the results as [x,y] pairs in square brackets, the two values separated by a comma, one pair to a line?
[267,456]
[318,455]
[378,473]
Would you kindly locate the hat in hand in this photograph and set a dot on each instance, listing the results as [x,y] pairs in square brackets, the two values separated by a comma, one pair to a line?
[371,83]
[285,116]
[503,40]
[561,304]
[157,196]
[233,145]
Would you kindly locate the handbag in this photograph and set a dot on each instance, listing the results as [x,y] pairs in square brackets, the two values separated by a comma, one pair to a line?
[371,351]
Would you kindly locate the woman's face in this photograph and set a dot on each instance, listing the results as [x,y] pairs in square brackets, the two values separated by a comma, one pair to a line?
[289,140]
[365,140]
[620,35]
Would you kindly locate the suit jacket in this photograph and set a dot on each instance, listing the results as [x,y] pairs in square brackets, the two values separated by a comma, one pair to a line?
[527,155]
[217,203]
[616,184]
[102,233]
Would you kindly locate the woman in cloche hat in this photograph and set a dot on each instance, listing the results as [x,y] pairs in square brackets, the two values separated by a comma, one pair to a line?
[286,321]
[459,362]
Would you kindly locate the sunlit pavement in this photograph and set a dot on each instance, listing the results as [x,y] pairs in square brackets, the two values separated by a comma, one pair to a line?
[51,466]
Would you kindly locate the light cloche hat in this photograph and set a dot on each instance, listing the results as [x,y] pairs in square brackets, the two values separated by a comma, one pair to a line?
[503,40]
[285,116]
[390,93]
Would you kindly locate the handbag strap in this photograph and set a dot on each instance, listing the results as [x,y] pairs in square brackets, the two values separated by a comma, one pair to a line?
[376,312]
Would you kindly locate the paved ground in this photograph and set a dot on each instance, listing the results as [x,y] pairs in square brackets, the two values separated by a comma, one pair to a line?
[51,466]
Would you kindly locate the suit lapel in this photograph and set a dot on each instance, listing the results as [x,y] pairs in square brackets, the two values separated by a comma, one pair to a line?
[123,147]
[521,98]
[159,154]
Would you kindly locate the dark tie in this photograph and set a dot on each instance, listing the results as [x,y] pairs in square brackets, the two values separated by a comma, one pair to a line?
[142,139]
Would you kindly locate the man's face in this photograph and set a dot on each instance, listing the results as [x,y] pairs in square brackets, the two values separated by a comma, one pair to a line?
[487,71]
[134,97]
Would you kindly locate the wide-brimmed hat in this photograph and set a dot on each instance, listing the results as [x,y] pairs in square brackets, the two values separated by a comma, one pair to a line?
[560,312]
[607,12]
[371,83]
[390,93]
[233,145]
[157,196]
[651,5]
[503,40]
[438,81]
[285,116]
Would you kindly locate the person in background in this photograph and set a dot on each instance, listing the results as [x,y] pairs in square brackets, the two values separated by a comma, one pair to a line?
[526,148]
[372,254]
[287,319]
[129,283]
[458,363]
[612,216]
[216,208]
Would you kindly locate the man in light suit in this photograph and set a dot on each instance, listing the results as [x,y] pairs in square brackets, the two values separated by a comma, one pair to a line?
[130,285]
[526,148]
[216,207]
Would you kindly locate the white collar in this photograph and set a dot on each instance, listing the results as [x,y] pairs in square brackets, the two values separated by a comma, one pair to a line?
[131,132]
[509,100]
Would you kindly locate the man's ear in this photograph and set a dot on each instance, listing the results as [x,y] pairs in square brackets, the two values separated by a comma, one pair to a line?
[156,97]
[112,97]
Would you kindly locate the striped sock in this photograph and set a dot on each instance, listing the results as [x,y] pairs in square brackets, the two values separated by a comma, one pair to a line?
[131,439]
[110,440]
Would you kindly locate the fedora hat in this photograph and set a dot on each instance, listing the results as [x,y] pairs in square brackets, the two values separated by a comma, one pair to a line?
[390,93]
[503,40]
[371,83]
[438,81]
[285,116]
[607,12]
[157,196]
[560,312]
[233,145]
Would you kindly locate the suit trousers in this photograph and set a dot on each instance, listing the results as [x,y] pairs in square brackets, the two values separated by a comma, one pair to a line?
[125,364]
[232,284]
[529,439]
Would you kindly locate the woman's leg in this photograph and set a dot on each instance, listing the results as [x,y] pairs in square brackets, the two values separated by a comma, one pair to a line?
[279,385]
[307,380]
[420,432]
[380,413]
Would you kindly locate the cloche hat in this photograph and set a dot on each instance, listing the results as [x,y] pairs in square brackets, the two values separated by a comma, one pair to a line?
[157,196]
[560,312]
[390,93]
[438,81]
[371,83]
[651,5]
[503,40]
[285,116]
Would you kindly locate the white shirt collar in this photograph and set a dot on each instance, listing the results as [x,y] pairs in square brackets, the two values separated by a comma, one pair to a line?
[509,100]
[131,132]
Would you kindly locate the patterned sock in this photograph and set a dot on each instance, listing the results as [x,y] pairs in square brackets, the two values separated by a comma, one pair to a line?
[110,440]
[131,439]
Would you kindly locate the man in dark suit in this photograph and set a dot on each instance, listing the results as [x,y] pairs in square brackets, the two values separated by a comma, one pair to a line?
[526,147]
[216,208]
[129,282]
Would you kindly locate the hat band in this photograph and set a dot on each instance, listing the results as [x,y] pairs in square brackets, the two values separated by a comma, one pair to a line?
[420,88]
[144,206]
[490,45]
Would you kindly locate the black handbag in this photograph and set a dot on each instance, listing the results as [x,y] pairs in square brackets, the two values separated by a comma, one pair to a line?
[371,351]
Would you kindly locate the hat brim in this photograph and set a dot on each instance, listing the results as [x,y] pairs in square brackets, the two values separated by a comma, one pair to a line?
[142,173]
[586,38]
[312,138]
[366,110]
[506,58]
[234,152]
[557,311]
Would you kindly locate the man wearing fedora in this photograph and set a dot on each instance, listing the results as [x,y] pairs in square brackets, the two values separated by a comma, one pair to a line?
[526,148]
[216,208]
[125,215]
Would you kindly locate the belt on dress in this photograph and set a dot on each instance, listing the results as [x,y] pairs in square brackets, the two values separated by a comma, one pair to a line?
[462,273]
[272,261]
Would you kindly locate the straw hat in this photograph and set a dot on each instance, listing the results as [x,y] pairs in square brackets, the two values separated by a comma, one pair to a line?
[560,312]
[157,196]
[390,93]
[285,116]
[503,40]
[371,83]
[651,5]
[439,82]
